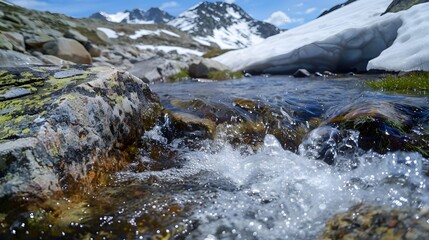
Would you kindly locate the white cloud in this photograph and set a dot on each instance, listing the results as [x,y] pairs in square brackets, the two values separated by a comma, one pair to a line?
[279,18]
[169,5]
[230,1]
[29,3]
[299,4]
[310,10]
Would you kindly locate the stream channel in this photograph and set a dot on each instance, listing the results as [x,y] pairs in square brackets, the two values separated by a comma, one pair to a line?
[259,158]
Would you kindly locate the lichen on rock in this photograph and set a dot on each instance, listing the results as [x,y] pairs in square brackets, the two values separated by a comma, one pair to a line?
[71,122]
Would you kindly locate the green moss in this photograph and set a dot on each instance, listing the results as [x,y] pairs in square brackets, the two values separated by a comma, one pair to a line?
[27,74]
[25,131]
[215,53]
[416,83]
[119,99]
[183,74]
[225,75]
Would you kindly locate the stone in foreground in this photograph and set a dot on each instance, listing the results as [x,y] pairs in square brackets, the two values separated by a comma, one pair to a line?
[68,126]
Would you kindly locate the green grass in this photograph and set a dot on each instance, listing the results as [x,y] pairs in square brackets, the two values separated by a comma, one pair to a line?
[183,74]
[415,83]
[215,53]
[225,75]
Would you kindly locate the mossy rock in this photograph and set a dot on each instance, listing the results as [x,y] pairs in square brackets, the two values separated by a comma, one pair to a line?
[66,115]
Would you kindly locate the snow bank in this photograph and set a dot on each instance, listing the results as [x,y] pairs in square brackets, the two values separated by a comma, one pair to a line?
[346,39]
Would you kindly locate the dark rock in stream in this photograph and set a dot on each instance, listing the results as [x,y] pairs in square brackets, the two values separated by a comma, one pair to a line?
[72,125]
[379,126]
[302,73]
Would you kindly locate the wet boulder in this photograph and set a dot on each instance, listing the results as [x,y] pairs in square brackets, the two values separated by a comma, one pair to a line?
[68,49]
[60,127]
[371,222]
[302,73]
[381,126]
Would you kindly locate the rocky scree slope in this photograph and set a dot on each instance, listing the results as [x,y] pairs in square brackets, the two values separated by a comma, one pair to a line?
[34,37]
[225,24]
[136,16]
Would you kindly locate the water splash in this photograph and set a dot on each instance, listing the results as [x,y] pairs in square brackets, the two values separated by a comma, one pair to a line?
[277,194]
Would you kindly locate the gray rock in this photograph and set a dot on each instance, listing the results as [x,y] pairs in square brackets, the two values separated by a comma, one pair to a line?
[157,68]
[171,68]
[1,14]
[93,50]
[36,40]
[52,60]
[68,73]
[102,36]
[204,67]
[73,34]
[12,18]
[16,39]
[68,49]
[12,58]
[89,122]
[301,73]
[15,93]
[318,74]
[5,43]
[328,73]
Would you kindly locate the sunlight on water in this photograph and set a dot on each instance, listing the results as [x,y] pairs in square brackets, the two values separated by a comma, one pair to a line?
[277,194]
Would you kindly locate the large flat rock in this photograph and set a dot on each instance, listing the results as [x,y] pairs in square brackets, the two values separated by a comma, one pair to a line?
[69,124]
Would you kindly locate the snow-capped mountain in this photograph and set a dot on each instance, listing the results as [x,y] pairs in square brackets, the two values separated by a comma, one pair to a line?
[356,37]
[136,16]
[225,24]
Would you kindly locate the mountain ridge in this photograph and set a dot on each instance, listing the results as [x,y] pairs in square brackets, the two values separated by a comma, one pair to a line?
[224,24]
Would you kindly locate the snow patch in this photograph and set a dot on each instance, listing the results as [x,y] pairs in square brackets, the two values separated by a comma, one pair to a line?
[109,32]
[202,41]
[144,32]
[115,17]
[179,50]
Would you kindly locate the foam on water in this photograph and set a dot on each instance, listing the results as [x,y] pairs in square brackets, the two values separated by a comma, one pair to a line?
[276,194]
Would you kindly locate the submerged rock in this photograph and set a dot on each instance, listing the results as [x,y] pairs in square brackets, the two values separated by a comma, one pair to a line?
[74,124]
[370,222]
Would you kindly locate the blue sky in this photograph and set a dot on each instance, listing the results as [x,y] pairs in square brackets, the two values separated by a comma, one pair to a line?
[283,13]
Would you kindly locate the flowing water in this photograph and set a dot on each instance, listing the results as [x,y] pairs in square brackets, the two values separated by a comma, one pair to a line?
[187,183]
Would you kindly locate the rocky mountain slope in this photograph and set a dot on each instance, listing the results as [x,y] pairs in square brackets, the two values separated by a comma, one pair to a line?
[225,24]
[210,23]
[356,37]
[136,16]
